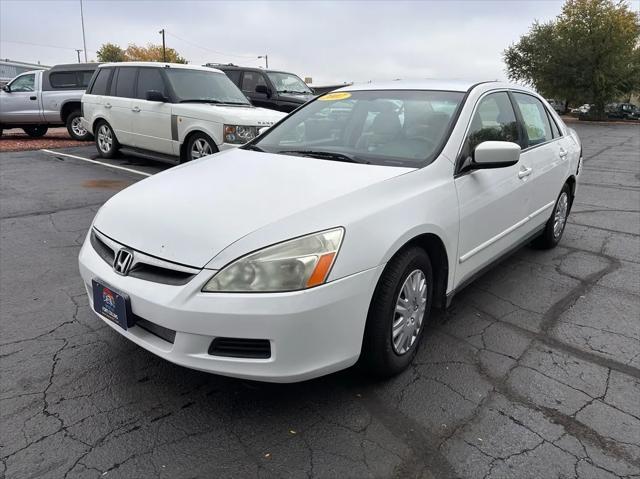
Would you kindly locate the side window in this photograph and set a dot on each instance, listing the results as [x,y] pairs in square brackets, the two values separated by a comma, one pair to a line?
[84,77]
[234,76]
[554,126]
[150,79]
[494,120]
[24,83]
[63,79]
[101,83]
[251,80]
[535,119]
[125,82]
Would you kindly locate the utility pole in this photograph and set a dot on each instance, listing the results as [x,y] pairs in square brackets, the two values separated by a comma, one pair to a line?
[266,60]
[78,52]
[84,40]
[164,51]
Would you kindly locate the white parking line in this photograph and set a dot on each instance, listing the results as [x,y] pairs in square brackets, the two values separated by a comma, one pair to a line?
[116,167]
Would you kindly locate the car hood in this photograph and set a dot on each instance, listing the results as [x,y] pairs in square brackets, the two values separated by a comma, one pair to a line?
[190,213]
[230,115]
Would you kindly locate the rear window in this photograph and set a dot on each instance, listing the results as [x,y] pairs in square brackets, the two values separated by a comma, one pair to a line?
[101,83]
[70,80]
[125,82]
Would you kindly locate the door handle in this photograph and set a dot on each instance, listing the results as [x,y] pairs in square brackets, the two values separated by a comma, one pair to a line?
[33,98]
[524,172]
[107,105]
[136,109]
[563,153]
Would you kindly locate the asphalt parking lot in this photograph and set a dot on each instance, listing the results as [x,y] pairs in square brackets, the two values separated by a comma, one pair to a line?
[533,373]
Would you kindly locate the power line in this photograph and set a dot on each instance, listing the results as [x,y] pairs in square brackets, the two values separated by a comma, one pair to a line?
[38,45]
[210,50]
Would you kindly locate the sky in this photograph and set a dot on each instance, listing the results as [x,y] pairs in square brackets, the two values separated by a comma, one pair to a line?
[329,41]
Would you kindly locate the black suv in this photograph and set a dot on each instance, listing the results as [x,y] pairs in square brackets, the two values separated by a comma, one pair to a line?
[272,89]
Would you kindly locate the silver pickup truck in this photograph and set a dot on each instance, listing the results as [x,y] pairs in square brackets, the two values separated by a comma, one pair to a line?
[39,99]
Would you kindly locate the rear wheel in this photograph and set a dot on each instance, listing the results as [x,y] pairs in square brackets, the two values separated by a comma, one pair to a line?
[398,313]
[199,145]
[552,233]
[106,141]
[75,128]
[36,131]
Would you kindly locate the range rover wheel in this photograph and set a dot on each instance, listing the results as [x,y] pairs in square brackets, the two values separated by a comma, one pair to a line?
[106,141]
[199,145]
[36,131]
[75,128]
[552,233]
[398,313]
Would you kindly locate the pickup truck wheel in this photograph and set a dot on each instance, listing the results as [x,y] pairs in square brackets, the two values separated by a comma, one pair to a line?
[106,141]
[552,233]
[398,314]
[199,145]
[75,128]
[36,131]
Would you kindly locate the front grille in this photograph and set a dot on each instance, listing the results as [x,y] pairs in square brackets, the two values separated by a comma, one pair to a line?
[241,348]
[142,265]
[169,335]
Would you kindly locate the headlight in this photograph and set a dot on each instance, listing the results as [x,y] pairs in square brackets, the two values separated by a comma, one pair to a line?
[238,134]
[293,265]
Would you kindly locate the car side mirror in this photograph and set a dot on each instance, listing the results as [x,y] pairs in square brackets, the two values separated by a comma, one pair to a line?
[155,95]
[264,89]
[6,88]
[495,154]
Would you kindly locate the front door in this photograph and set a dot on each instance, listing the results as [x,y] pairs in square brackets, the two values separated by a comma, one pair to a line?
[250,82]
[493,203]
[152,119]
[22,103]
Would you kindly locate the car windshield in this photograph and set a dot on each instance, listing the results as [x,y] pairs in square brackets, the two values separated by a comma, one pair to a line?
[385,127]
[204,86]
[288,83]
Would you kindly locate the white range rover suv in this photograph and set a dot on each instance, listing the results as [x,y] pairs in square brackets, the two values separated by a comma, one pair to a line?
[172,111]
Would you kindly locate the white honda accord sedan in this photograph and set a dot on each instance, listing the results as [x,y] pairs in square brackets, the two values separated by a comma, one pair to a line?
[330,238]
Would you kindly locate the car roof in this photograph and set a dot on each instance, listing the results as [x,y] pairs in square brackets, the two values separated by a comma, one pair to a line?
[432,84]
[184,66]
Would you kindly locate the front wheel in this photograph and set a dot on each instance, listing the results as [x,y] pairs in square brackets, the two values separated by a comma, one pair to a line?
[199,145]
[36,131]
[398,313]
[106,141]
[552,233]
[75,128]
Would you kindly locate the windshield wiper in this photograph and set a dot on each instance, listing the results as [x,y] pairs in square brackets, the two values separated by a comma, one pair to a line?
[200,100]
[294,91]
[325,155]
[253,148]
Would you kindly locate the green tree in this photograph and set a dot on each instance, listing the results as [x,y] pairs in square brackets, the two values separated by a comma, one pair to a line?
[110,52]
[589,54]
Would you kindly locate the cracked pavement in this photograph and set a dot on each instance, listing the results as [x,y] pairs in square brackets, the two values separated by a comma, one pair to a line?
[534,372]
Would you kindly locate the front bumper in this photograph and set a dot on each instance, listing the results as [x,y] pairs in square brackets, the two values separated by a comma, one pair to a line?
[311,333]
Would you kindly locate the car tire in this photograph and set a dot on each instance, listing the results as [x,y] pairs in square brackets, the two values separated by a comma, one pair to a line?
[199,145]
[407,278]
[36,131]
[106,141]
[554,228]
[75,128]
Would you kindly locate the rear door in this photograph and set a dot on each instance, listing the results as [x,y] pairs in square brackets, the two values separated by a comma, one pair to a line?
[152,119]
[545,154]
[119,104]
[22,103]
[493,203]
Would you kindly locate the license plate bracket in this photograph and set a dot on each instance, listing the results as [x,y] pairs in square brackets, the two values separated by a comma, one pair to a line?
[112,304]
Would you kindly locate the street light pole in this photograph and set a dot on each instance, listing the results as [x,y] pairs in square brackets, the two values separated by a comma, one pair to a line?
[78,52]
[84,40]
[164,52]
[266,60]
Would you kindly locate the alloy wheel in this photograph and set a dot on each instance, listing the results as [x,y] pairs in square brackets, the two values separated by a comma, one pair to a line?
[200,148]
[560,217]
[105,138]
[77,128]
[409,312]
